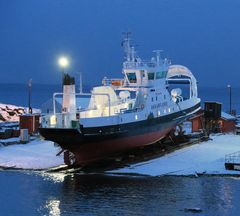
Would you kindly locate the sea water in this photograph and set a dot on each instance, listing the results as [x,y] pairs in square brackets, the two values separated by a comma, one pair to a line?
[32,193]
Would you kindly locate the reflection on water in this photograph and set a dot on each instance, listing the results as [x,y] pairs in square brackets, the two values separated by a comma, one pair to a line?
[53,207]
[50,194]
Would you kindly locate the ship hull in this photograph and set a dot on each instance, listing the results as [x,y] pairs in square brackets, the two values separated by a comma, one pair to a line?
[89,145]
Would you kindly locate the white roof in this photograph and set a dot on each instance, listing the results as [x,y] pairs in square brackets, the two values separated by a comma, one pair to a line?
[177,70]
[227,116]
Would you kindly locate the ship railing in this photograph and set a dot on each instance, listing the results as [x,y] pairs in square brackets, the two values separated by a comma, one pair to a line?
[67,118]
[139,64]
[113,82]
[233,157]
[58,120]
[142,63]
[82,94]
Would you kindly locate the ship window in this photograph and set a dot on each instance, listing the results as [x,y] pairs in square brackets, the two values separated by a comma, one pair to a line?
[132,77]
[156,98]
[151,76]
[158,75]
[165,73]
[161,74]
[152,99]
[169,109]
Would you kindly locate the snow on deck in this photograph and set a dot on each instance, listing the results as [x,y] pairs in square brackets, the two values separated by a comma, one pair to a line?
[207,157]
[37,154]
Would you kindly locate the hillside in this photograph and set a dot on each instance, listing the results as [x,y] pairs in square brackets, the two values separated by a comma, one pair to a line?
[10,113]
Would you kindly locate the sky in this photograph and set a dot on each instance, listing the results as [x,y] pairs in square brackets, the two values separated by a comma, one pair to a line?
[202,35]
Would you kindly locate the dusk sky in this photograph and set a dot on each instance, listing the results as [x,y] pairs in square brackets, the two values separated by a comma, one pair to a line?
[202,35]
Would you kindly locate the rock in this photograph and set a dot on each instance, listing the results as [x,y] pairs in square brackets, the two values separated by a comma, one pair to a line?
[1,118]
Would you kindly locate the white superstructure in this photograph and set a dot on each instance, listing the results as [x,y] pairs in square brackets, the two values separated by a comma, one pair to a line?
[142,93]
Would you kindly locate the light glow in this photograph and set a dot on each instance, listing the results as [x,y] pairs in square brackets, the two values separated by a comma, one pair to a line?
[63,62]
[53,120]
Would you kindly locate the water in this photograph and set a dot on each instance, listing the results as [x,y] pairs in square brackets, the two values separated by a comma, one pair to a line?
[17,94]
[44,194]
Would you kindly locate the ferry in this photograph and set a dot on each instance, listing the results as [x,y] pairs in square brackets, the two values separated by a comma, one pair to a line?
[137,110]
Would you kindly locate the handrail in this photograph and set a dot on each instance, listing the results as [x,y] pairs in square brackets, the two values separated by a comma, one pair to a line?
[81,94]
[233,157]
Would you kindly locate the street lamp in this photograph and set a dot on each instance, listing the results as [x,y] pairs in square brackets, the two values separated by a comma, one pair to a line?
[63,63]
[230,98]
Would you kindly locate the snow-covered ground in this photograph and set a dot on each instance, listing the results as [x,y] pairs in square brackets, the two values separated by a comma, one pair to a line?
[207,157]
[37,154]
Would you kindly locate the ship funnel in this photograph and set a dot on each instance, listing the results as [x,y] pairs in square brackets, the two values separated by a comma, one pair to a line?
[69,98]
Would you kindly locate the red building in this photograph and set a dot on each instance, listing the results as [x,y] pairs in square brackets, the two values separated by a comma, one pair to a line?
[227,122]
[30,122]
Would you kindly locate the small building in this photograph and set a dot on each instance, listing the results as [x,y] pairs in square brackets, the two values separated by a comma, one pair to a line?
[30,122]
[227,122]
[197,121]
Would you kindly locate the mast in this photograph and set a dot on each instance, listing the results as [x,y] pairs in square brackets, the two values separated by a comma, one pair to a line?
[128,48]
[158,55]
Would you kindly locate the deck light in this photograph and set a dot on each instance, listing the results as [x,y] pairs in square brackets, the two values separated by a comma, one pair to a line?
[53,120]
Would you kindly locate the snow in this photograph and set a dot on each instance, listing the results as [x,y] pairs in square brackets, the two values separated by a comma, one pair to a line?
[13,139]
[207,157]
[37,154]
[227,116]
[10,113]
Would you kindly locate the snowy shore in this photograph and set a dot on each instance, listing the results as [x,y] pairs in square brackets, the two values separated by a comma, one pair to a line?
[207,157]
[37,154]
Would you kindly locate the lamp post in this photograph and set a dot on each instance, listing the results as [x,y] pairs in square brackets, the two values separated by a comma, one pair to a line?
[29,96]
[80,82]
[230,98]
[63,62]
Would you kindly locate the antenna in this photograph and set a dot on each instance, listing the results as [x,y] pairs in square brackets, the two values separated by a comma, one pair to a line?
[158,54]
[127,47]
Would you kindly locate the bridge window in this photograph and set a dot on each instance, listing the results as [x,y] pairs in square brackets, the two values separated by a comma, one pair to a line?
[160,75]
[132,77]
[151,76]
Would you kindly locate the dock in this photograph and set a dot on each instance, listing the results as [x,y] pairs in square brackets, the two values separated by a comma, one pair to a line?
[232,161]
